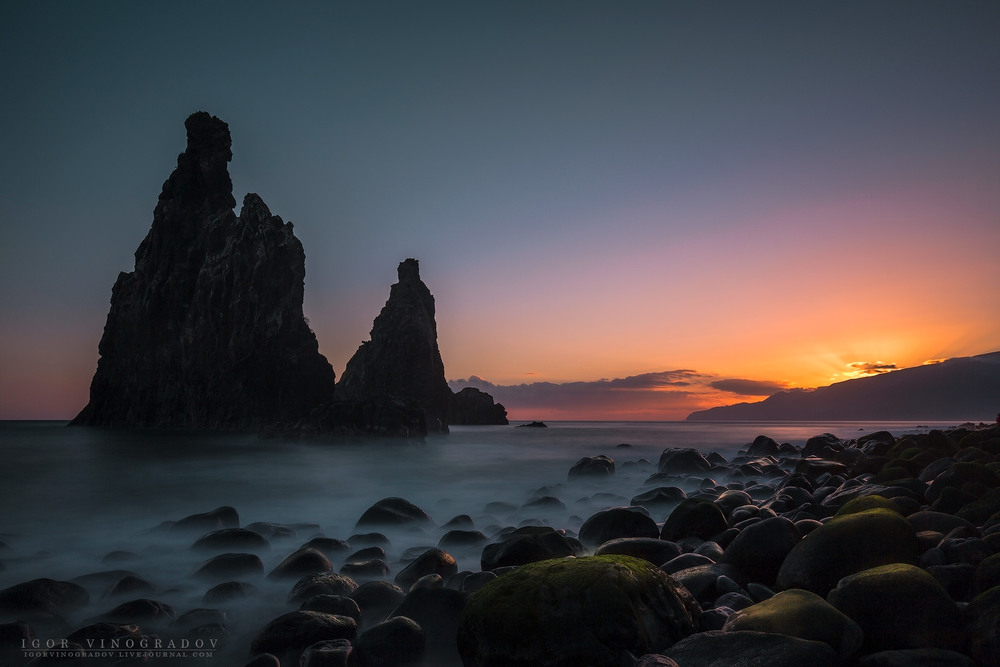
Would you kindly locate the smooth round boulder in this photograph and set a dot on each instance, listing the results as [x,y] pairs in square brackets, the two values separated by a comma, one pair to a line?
[660,499]
[321,584]
[801,614]
[228,592]
[598,610]
[43,595]
[651,549]
[899,606]
[717,648]
[377,599]
[232,539]
[394,512]
[617,522]
[303,562]
[459,538]
[846,545]
[526,545]
[694,517]
[338,605]
[230,565]
[327,653]
[683,461]
[432,561]
[290,634]
[593,466]
[217,519]
[759,549]
[142,612]
[397,642]
[437,611]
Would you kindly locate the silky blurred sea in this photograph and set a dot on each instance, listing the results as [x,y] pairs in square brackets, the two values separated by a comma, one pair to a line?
[95,487]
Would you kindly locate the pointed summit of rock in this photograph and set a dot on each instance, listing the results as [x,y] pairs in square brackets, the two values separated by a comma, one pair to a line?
[207,332]
[402,358]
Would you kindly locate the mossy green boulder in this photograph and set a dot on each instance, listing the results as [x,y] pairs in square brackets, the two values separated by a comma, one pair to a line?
[575,612]
[864,503]
[845,545]
[899,606]
[801,614]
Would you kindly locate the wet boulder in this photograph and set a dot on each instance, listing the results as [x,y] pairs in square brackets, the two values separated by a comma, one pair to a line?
[846,545]
[651,549]
[593,466]
[232,539]
[228,592]
[142,612]
[584,611]
[760,548]
[526,545]
[338,605]
[321,584]
[899,606]
[617,522]
[660,499]
[683,461]
[801,614]
[301,563]
[437,611]
[290,634]
[394,512]
[43,595]
[206,522]
[327,653]
[694,517]
[432,561]
[377,599]
[744,648]
[397,642]
[230,565]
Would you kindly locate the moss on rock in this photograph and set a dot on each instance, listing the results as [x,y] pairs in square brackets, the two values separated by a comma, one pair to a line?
[575,611]
[848,544]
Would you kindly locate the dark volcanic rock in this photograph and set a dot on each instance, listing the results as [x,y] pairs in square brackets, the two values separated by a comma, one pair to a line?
[402,359]
[207,332]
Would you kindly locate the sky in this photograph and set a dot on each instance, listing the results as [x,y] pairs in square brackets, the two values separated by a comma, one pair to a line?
[624,210]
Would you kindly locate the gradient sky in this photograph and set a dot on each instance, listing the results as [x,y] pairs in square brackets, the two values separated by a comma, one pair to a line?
[635,209]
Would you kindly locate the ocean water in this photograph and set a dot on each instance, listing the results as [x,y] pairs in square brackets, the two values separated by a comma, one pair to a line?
[69,496]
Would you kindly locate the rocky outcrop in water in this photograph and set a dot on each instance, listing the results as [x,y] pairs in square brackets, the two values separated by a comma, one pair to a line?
[471,406]
[207,332]
[402,359]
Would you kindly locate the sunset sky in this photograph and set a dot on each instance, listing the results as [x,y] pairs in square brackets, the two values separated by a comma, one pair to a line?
[624,210]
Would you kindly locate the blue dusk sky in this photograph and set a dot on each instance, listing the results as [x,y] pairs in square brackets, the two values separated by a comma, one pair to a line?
[644,208]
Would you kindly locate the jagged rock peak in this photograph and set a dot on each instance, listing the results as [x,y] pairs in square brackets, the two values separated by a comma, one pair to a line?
[208,331]
[402,358]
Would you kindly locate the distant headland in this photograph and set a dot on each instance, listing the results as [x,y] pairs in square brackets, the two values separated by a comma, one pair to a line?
[208,333]
[957,389]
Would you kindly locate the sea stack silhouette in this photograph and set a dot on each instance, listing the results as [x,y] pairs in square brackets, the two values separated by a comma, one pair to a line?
[207,332]
[402,358]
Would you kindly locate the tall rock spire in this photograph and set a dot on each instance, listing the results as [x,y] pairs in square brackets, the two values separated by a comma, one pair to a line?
[402,358]
[207,332]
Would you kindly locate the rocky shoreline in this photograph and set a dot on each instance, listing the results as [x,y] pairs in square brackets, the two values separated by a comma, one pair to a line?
[875,551]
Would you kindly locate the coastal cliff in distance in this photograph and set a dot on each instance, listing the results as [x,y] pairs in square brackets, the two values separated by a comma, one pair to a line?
[959,389]
[208,332]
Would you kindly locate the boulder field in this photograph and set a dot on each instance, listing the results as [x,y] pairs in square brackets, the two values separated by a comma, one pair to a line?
[876,551]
